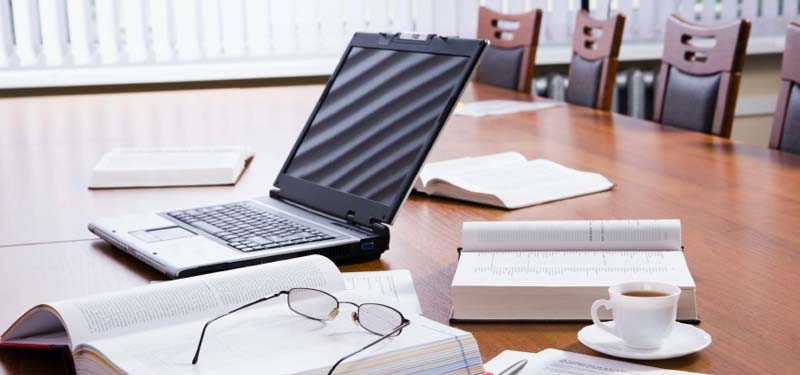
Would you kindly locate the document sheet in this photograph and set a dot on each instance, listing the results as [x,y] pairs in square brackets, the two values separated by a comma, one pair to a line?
[557,362]
[500,107]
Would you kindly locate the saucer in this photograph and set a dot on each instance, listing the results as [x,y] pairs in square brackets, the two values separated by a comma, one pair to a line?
[683,340]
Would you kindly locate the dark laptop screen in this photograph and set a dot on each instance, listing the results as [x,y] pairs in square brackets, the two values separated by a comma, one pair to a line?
[379,113]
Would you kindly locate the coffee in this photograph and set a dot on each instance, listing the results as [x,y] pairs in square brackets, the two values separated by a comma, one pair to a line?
[645,293]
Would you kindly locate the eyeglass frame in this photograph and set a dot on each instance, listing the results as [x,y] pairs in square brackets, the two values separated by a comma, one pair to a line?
[355,316]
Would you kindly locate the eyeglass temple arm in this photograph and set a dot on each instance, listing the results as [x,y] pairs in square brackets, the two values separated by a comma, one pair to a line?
[390,334]
[203,334]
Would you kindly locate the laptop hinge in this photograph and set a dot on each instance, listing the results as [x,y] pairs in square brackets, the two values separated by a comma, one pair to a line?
[275,193]
[375,225]
[351,218]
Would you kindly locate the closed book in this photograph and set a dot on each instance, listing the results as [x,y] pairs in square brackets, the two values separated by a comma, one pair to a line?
[172,166]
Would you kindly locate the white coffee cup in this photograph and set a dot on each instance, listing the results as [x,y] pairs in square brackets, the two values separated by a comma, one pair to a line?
[640,322]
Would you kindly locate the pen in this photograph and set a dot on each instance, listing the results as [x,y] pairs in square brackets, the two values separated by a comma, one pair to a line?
[514,369]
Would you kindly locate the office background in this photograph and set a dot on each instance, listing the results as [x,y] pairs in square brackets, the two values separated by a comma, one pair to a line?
[75,46]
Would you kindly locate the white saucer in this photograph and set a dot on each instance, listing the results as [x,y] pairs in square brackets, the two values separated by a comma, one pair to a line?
[684,339]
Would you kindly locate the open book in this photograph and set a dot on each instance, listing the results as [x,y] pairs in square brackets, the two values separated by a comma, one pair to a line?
[154,329]
[173,166]
[554,270]
[507,180]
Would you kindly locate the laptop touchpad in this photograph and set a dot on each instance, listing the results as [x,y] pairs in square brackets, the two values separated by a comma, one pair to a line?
[162,234]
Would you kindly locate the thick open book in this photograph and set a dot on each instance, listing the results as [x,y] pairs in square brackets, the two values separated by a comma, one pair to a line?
[185,166]
[507,180]
[154,329]
[554,270]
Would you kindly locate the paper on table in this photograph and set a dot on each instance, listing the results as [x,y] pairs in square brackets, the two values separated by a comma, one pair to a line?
[394,288]
[557,362]
[500,107]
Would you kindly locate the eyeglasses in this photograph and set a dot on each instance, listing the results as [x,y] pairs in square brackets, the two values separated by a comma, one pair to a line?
[315,304]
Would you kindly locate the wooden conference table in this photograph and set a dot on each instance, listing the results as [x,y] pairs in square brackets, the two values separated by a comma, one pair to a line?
[740,208]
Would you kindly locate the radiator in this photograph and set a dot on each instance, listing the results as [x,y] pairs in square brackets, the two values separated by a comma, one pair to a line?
[633,93]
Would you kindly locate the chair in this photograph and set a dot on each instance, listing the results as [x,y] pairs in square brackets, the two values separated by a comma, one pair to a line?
[509,60]
[786,124]
[700,73]
[593,69]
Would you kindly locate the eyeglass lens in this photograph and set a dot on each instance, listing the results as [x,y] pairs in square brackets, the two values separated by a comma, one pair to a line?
[312,303]
[379,319]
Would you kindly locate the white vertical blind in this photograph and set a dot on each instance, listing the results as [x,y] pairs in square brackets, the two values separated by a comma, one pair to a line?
[55,34]
[210,28]
[177,37]
[446,22]
[188,36]
[26,31]
[81,28]
[233,32]
[7,51]
[257,31]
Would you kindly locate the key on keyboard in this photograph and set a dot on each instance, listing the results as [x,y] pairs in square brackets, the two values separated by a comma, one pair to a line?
[249,228]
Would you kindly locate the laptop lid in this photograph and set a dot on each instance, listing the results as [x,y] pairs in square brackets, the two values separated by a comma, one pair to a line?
[377,119]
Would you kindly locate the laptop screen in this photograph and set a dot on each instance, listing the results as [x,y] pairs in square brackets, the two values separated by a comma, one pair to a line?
[379,113]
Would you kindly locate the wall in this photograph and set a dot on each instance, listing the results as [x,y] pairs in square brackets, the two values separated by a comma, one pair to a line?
[756,105]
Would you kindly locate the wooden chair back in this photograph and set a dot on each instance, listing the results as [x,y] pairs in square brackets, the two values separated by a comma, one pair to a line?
[593,69]
[700,73]
[786,123]
[509,59]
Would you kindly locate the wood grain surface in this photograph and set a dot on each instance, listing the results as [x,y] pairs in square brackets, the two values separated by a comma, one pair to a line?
[738,204]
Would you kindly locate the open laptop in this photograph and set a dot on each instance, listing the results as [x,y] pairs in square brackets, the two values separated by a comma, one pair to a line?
[344,180]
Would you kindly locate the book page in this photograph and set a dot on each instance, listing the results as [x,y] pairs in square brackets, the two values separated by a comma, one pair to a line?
[271,339]
[571,235]
[446,170]
[557,362]
[571,268]
[162,304]
[393,288]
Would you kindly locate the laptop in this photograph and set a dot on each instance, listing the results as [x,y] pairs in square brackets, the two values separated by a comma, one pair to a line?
[347,175]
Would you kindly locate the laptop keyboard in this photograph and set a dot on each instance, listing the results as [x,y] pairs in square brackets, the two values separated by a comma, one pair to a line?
[249,228]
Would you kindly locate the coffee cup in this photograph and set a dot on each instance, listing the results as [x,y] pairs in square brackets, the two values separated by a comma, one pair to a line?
[643,312]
